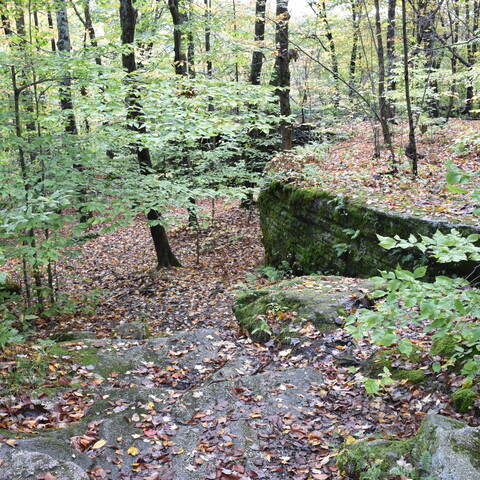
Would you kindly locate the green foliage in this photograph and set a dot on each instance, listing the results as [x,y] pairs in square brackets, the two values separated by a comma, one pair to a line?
[199,132]
[408,471]
[445,248]
[447,307]
[375,385]
[275,274]
[30,371]
[262,328]
[457,177]
[467,142]
[10,325]
[9,334]
[82,304]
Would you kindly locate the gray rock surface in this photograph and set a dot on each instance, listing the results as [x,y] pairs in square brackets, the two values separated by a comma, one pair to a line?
[21,464]
[220,416]
[454,447]
[132,330]
[322,300]
[193,404]
[451,447]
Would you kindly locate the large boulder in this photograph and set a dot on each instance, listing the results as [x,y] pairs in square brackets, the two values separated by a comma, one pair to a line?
[454,448]
[443,449]
[132,330]
[321,300]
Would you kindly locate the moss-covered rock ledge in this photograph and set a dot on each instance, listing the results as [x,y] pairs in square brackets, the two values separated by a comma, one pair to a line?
[442,449]
[318,232]
[267,312]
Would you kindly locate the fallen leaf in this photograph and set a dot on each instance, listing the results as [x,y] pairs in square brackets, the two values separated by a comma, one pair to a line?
[133,451]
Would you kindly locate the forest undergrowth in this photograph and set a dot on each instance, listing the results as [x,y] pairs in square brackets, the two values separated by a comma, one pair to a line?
[114,277]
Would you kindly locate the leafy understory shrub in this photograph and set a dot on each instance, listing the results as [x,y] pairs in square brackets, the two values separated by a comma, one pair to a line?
[30,370]
[8,333]
[275,274]
[467,142]
[445,307]
[457,177]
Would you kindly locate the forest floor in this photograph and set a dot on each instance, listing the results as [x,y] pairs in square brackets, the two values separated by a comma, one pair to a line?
[346,166]
[114,275]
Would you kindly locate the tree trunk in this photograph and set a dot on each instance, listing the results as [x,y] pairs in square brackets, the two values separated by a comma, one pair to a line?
[191,56]
[472,49]
[425,18]
[281,72]
[356,35]
[333,52]
[66,99]
[91,31]
[178,17]
[382,97]
[53,45]
[128,19]
[454,33]
[411,150]
[63,46]
[257,55]
[237,73]
[208,16]
[391,81]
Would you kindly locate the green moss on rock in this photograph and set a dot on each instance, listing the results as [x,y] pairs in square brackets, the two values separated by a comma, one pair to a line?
[320,232]
[451,447]
[463,399]
[443,346]
[377,456]
[320,300]
[375,365]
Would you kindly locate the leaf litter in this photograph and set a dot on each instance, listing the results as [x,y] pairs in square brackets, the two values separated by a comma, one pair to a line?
[295,441]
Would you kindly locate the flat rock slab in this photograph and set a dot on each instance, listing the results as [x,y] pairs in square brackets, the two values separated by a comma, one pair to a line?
[30,460]
[224,418]
[322,300]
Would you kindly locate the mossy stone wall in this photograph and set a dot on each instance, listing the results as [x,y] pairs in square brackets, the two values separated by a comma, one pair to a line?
[320,232]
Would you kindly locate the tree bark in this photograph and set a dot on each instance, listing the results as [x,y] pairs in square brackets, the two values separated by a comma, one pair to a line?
[66,98]
[356,35]
[391,81]
[453,20]
[64,46]
[208,34]
[178,17]
[427,35]
[472,49]
[257,55]
[382,97]
[333,51]
[91,31]
[281,72]
[128,19]
[411,150]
